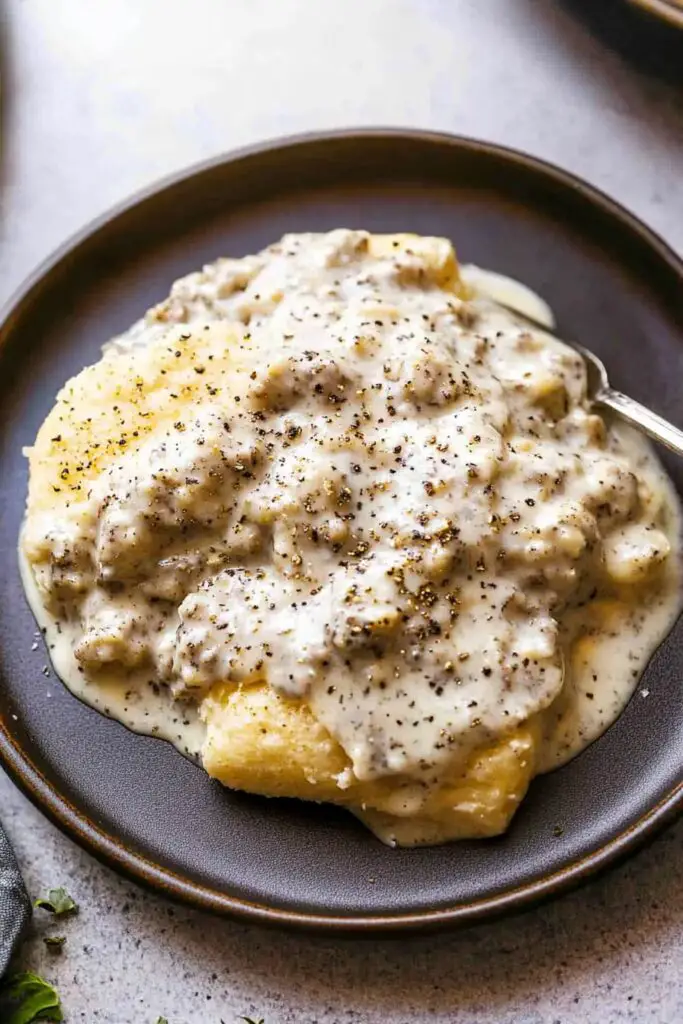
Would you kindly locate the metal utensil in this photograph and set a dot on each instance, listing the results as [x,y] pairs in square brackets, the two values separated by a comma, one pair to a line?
[601,393]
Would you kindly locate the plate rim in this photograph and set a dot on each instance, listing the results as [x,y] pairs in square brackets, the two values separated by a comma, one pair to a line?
[164,880]
[662,9]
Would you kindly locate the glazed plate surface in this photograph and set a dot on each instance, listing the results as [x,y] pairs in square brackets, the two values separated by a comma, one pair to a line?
[133,800]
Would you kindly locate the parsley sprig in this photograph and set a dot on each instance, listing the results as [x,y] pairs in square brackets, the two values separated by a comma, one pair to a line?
[57,902]
[26,998]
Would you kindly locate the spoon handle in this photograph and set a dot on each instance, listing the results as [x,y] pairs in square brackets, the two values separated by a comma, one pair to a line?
[633,412]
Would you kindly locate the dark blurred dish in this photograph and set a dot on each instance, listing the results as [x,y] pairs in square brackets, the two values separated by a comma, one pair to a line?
[670,11]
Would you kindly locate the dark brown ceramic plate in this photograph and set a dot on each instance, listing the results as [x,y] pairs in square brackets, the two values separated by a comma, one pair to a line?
[667,10]
[134,801]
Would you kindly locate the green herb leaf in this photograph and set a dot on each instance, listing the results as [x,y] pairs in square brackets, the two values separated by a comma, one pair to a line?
[57,902]
[25,998]
[55,943]
[161,1020]
[250,1020]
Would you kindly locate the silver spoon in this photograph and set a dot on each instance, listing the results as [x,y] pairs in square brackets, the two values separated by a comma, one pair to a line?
[601,393]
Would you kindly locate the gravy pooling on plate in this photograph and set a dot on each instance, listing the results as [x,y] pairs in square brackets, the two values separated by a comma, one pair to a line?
[335,523]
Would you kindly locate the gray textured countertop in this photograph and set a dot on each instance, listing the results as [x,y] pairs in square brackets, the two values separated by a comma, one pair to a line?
[100,99]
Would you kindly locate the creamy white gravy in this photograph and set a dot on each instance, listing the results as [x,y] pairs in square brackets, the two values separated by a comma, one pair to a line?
[411,519]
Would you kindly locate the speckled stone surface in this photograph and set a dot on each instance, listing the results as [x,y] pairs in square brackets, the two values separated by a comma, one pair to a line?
[101,98]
